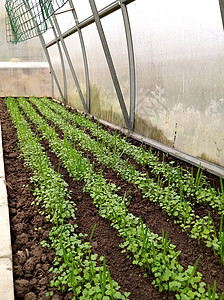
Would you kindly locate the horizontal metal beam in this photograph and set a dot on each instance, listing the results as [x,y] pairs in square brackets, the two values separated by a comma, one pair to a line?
[102,13]
[63,11]
[193,160]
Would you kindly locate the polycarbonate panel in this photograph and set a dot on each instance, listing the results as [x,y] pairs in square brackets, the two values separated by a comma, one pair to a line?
[100,4]
[65,18]
[83,11]
[103,99]
[113,24]
[180,69]
[56,63]
[23,67]
[75,52]
[24,79]
[49,35]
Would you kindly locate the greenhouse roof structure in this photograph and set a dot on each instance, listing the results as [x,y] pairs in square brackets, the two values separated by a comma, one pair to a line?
[27,19]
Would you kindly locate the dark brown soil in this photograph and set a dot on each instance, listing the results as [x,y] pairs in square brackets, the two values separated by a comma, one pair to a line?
[157,221]
[31,261]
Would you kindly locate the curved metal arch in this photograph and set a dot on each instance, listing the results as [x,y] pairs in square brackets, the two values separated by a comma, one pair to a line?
[131,59]
[70,63]
[84,55]
[65,100]
[110,62]
[50,65]
[221,5]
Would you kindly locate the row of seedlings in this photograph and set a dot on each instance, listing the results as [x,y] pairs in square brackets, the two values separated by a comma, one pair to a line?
[156,254]
[75,268]
[175,204]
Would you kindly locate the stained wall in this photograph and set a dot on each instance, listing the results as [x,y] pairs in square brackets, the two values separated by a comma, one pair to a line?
[179,62]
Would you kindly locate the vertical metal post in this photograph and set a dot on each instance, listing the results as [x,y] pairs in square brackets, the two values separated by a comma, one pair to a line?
[110,62]
[83,54]
[62,64]
[221,4]
[70,63]
[52,86]
[50,65]
[131,60]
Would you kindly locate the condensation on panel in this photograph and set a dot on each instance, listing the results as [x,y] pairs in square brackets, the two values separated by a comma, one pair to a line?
[75,52]
[180,70]
[103,99]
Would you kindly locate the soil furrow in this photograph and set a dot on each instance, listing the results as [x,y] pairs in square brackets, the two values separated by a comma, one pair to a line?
[30,260]
[157,220]
[201,210]
[105,241]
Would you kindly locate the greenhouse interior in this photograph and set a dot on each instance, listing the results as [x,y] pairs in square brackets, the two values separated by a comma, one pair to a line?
[111,140]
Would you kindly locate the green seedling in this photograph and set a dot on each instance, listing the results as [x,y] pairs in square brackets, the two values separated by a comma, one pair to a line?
[221,240]
[109,200]
[222,189]
[193,271]
[103,277]
[165,244]
[212,294]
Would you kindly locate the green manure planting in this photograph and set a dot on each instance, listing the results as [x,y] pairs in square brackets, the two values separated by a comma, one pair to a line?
[125,222]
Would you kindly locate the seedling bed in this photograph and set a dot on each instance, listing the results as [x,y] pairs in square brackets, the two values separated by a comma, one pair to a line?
[29,228]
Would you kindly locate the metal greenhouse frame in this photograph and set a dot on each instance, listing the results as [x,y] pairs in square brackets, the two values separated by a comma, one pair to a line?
[46,16]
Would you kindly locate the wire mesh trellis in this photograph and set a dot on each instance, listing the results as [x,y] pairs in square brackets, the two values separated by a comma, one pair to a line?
[28,18]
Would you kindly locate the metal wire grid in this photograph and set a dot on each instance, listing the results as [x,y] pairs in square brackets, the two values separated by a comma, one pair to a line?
[28,18]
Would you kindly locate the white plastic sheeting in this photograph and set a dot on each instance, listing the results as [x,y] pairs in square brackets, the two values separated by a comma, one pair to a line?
[23,67]
[179,62]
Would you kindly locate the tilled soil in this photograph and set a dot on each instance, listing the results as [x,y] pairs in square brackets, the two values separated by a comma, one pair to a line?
[31,262]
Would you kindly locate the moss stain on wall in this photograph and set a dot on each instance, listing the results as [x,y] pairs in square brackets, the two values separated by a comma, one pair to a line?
[146,128]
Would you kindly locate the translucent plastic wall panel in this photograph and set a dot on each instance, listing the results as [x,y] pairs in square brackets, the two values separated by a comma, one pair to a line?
[102,3]
[180,72]
[24,79]
[113,24]
[103,99]
[65,18]
[56,63]
[22,68]
[83,11]
[75,52]
[48,35]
